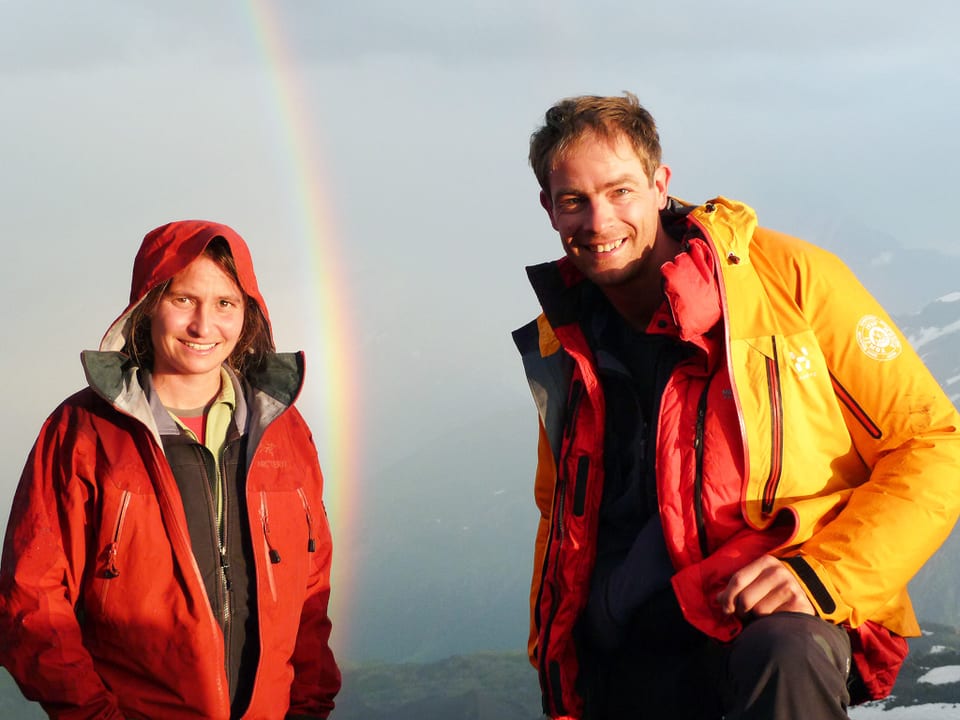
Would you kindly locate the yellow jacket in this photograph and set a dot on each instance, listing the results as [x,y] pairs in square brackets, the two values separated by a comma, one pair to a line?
[870,464]
[847,451]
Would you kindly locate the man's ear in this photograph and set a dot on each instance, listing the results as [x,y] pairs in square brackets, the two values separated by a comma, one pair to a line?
[547,205]
[661,180]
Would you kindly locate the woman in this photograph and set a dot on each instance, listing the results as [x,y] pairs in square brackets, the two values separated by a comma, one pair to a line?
[168,553]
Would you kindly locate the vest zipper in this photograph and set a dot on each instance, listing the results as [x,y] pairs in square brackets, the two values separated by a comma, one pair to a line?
[222,537]
[698,473]
[776,431]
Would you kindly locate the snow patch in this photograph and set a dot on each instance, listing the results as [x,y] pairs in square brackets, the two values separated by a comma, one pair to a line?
[949,297]
[932,711]
[942,675]
[938,649]
[928,334]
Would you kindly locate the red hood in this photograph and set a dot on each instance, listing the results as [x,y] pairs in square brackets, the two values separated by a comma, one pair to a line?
[166,251]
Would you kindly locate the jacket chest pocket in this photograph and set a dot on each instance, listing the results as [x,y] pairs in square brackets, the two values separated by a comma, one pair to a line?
[791,416]
[106,567]
[759,385]
[129,561]
[287,541]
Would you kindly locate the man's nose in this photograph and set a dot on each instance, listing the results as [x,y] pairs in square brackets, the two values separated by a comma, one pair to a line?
[600,216]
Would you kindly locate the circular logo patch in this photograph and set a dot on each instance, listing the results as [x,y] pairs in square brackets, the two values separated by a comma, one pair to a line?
[877,339]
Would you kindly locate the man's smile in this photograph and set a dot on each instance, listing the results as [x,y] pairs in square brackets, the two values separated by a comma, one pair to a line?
[605,247]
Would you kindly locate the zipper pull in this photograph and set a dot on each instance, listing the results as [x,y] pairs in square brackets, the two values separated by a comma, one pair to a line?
[225,568]
[311,543]
[111,571]
[265,521]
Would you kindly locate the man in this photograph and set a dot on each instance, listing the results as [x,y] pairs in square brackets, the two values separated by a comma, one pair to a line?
[741,461]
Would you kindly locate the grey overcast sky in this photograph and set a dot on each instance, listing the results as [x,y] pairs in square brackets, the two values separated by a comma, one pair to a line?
[412,120]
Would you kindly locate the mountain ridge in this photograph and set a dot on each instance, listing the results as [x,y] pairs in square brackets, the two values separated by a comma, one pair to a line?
[503,686]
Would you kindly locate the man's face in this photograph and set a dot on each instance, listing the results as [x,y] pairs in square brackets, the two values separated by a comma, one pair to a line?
[605,208]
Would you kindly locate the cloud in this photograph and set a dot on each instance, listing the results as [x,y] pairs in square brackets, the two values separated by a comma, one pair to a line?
[699,35]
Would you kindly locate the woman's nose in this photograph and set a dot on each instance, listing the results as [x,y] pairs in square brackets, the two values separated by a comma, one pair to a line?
[200,322]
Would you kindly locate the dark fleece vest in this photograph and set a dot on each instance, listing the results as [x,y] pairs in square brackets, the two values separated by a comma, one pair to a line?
[229,579]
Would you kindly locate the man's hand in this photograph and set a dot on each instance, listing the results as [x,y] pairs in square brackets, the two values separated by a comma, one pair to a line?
[764,587]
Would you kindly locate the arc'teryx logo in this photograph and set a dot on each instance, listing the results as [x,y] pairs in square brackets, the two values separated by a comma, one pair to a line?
[267,457]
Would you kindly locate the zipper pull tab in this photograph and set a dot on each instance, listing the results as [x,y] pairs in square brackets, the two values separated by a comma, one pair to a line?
[265,521]
[111,571]
[225,568]
[311,543]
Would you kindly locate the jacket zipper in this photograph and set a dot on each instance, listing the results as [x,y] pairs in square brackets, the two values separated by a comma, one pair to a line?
[698,473]
[557,518]
[854,407]
[222,577]
[576,394]
[776,431]
[113,548]
[222,537]
[548,679]
[272,554]
[311,543]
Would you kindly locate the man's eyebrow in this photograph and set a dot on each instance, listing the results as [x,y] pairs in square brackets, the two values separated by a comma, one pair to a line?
[625,179]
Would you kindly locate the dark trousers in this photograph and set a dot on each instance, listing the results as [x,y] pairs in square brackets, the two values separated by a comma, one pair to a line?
[786,666]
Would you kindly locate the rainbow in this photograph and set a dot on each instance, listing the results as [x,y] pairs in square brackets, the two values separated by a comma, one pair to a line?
[334,372]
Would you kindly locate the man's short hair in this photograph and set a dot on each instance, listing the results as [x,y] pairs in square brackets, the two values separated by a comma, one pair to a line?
[607,118]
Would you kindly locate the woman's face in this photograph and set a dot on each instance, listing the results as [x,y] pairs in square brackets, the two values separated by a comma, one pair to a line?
[197,322]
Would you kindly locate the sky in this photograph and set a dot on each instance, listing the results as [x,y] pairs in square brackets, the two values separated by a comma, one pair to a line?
[373,154]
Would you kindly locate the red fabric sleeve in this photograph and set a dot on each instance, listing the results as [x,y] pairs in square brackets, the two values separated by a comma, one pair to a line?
[44,555]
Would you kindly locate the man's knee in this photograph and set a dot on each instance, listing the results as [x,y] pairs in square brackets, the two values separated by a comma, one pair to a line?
[793,642]
[788,665]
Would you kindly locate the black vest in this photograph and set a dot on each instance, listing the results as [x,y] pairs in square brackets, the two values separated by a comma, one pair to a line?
[230,578]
